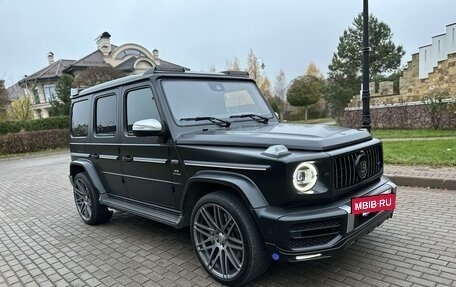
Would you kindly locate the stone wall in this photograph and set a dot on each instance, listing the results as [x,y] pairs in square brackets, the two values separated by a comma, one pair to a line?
[411,88]
[443,77]
[405,116]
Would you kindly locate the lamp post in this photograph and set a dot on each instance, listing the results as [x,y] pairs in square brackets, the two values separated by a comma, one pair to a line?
[255,69]
[366,93]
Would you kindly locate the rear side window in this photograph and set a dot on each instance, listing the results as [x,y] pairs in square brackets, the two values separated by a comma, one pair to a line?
[106,115]
[140,106]
[80,119]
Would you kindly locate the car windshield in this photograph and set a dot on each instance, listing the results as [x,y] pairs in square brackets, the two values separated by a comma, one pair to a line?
[222,99]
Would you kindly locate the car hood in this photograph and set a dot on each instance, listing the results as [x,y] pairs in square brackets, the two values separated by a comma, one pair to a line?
[293,136]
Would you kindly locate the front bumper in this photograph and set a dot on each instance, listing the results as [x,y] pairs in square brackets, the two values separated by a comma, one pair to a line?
[308,233]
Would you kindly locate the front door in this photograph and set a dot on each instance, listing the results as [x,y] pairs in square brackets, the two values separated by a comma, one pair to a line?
[145,159]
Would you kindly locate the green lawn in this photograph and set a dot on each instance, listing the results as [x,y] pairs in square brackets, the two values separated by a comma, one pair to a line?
[415,133]
[421,152]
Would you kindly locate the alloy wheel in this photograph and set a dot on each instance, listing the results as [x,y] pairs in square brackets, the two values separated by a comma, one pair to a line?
[82,199]
[218,241]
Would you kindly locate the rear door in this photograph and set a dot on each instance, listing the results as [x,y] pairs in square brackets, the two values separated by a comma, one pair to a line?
[145,159]
[104,147]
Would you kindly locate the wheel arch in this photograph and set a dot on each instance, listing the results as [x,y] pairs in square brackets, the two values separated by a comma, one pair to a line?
[205,182]
[86,166]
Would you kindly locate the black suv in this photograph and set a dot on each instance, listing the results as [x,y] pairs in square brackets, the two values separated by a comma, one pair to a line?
[207,151]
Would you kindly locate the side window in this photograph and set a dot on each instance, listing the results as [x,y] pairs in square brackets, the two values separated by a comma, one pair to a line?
[80,116]
[140,106]
[106,115]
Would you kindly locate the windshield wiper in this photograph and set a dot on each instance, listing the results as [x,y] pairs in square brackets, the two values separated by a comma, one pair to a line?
[214,120]
[258,118]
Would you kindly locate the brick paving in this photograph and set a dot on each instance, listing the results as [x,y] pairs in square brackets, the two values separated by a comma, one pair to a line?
[43,242]
[425,176]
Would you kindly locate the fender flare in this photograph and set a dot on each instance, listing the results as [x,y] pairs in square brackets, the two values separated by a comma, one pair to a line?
[88,167]
[241,183]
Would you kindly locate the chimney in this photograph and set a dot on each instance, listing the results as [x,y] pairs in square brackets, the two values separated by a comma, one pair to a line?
[104,43]
[50,58]
[155,53]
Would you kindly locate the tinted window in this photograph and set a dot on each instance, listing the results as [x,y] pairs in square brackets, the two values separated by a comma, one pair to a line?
[105,117]
[140,106]
[80,119]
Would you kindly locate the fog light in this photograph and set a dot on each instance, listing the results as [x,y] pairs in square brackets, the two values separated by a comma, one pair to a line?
[310,256]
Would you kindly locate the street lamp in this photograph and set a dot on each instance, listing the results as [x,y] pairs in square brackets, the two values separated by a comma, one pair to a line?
[255,69]
[366,93]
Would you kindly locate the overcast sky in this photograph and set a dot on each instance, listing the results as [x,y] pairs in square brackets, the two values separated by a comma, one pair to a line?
[286,34]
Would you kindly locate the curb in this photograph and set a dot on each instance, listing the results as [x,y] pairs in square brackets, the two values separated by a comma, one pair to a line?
[439,183]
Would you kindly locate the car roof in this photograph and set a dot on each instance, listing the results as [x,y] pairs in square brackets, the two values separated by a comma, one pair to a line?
[154,73]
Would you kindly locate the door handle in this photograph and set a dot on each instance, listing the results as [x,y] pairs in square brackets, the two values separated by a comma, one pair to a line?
[94,156]
[127,158]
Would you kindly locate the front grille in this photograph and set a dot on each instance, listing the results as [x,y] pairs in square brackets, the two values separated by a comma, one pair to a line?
[345,169]
[314,233]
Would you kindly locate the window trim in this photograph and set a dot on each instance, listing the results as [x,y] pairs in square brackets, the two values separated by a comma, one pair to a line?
[94,121]
[72,116]
[125,106]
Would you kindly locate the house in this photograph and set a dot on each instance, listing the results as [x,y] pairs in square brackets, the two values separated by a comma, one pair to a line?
[130,58]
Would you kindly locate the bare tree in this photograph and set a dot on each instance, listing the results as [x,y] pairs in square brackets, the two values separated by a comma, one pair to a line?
[20,109]
[233,65]
[96,75]
[254,66]
[4,101]
[280,85]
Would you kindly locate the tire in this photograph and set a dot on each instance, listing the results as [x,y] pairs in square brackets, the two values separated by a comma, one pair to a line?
[86,200]
[226,240]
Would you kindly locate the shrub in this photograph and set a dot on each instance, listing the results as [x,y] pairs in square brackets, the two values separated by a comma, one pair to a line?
[35,125]
[23,142]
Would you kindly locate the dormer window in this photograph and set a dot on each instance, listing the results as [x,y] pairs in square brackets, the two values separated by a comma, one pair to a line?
[128,52]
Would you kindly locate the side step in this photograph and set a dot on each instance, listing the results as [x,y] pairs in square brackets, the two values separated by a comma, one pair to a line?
[151,212]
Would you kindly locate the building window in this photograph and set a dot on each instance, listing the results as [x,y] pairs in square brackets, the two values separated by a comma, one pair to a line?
[36,96]
[49,93]
[128,52]
[105,117]
[425,55]
[453,35]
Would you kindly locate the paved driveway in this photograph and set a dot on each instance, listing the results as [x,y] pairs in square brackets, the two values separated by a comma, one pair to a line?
[43,242]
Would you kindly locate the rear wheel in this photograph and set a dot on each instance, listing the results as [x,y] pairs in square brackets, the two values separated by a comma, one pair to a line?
[86,200]
[226,240]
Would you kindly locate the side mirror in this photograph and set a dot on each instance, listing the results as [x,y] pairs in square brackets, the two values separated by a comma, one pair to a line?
[147,127]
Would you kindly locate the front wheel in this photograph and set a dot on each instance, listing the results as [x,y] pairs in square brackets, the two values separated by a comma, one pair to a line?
[86,200]
[226,240]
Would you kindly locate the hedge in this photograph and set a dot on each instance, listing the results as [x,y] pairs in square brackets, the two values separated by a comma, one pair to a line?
[23,142]
[35,125]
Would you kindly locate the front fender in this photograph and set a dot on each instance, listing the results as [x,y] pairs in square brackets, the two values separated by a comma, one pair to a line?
[87,166]
[240,183]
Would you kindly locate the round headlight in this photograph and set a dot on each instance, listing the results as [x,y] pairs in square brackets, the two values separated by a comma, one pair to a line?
[305,177]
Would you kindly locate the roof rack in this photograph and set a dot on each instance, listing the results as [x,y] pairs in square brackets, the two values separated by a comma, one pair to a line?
[236,73]
[156,69]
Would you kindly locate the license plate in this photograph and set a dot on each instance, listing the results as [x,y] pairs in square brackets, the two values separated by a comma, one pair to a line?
[373,203]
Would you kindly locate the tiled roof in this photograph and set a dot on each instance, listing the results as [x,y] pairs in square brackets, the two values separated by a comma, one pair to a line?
[15,91]
[127,66]
[166,64]
[94,59]
[54,70]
